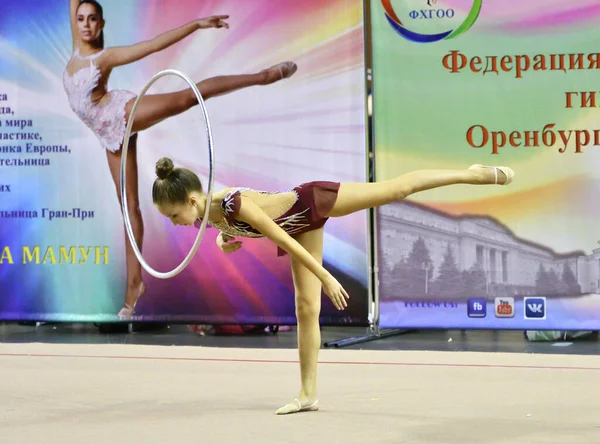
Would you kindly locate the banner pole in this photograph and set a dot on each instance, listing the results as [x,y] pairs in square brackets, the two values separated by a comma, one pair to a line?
[373,331]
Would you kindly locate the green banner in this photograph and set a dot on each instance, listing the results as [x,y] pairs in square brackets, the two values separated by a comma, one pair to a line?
[467,82]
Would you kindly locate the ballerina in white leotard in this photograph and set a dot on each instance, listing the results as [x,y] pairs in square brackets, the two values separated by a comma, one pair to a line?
[106,112]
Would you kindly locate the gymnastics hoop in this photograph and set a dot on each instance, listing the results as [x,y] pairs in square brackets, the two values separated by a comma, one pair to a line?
[209,193]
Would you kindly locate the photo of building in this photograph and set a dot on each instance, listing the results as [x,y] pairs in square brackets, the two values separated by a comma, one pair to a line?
[424,253]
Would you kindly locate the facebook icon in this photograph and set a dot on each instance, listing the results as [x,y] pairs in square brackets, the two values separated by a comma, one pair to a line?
[535,308]
[476,308]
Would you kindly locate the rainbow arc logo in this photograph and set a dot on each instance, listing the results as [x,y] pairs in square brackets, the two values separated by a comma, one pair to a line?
[416,37]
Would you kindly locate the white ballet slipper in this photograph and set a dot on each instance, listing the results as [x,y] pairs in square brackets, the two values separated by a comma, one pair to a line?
[128,311]
[290,68]
[508,172]
[296,407]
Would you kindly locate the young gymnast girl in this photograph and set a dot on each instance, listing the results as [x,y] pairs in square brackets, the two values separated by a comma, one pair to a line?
[107,112]
[294,221]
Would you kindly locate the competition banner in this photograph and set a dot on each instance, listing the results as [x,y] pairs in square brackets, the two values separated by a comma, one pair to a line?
[63,246]
[463,82]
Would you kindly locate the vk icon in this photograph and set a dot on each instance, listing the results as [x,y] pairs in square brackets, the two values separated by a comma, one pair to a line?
[477,308]
[535,308]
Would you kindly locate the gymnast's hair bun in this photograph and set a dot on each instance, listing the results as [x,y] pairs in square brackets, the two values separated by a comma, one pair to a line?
[164,167]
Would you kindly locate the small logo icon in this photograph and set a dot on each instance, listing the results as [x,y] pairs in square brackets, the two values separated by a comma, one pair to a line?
[432,12]
[504,307]
[535,308]
[477,308]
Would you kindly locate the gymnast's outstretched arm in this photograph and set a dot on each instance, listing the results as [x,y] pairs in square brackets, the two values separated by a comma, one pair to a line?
[252,214]
[123,55]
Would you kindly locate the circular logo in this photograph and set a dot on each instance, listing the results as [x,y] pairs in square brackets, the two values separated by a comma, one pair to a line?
[429,12]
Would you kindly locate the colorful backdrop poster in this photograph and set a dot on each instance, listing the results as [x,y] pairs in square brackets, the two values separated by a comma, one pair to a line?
[62,236]
[462,82]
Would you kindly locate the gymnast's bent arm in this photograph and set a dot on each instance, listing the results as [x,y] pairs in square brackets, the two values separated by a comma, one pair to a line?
[252,214]
[74,4]
[225,244]
[123,55]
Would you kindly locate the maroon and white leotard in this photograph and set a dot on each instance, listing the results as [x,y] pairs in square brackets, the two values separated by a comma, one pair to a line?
[314,200]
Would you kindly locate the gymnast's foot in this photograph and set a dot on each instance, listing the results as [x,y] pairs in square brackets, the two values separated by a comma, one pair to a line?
[279,72]
[134,293]
[299,405]
[497,175]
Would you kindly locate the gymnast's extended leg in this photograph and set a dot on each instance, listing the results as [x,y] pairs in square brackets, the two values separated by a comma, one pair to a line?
[154,108]
[354,197]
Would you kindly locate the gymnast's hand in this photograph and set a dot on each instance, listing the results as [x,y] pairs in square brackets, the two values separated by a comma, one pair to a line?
[225,244]
[334,290]
[215,21]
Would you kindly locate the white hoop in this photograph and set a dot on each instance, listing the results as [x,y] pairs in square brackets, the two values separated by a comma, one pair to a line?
[209,192]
